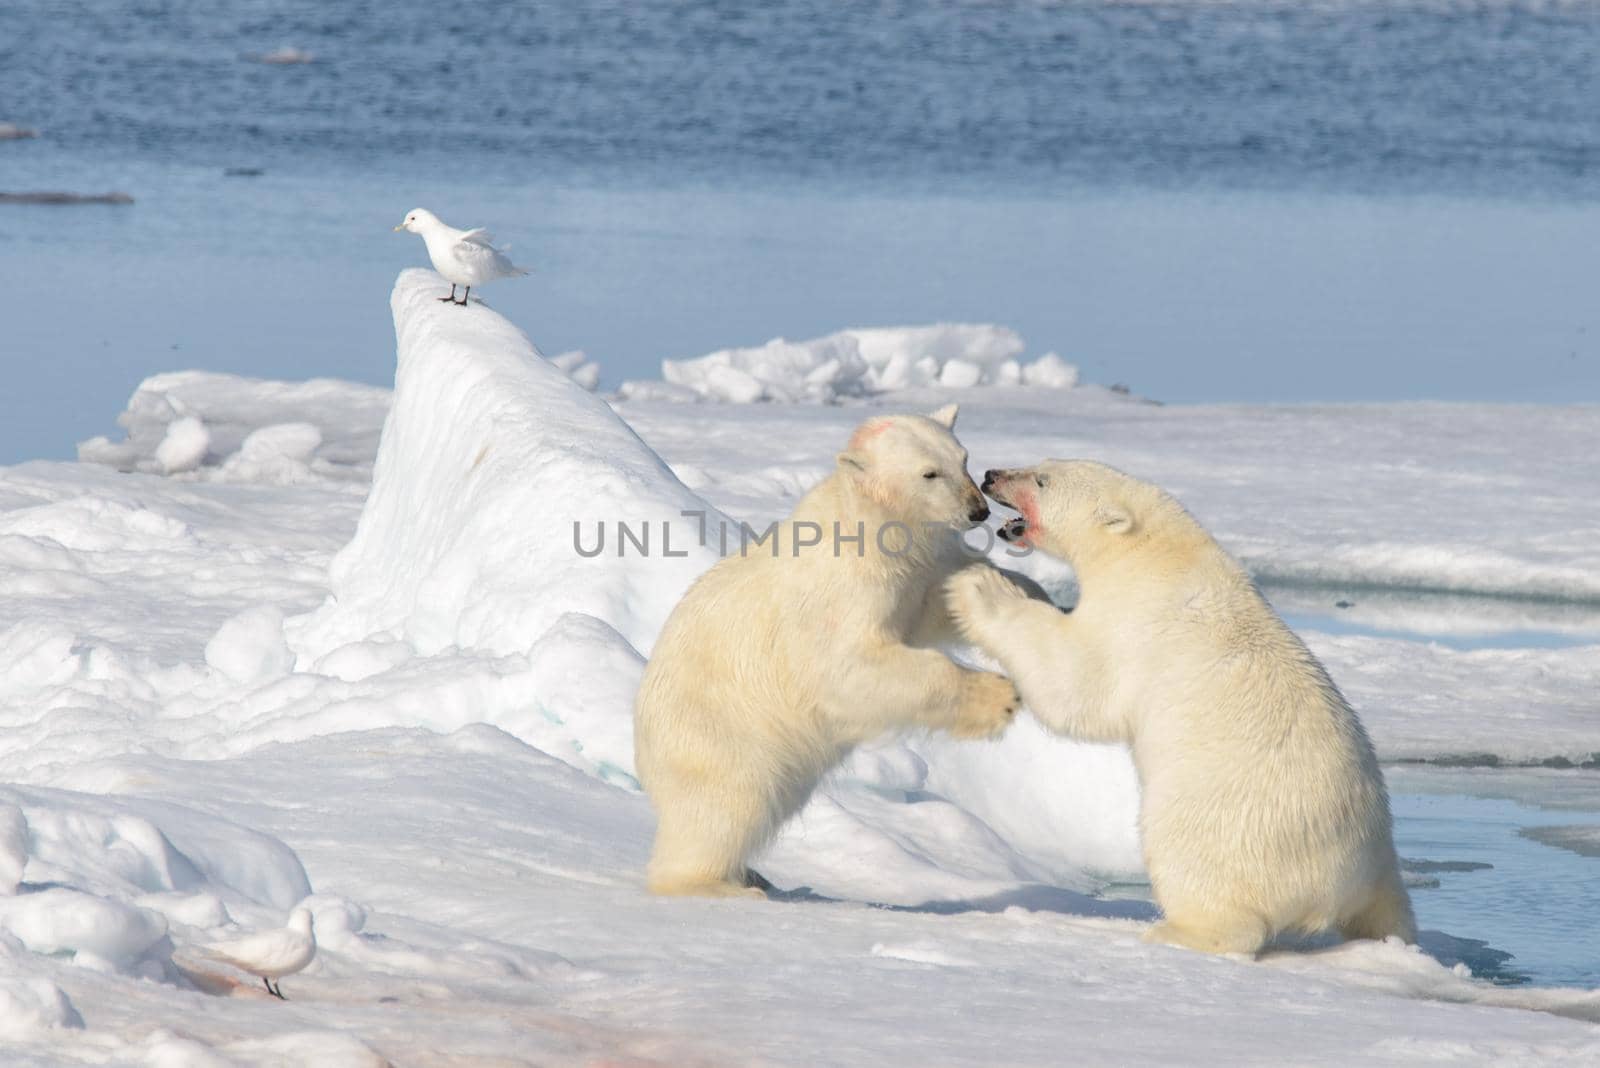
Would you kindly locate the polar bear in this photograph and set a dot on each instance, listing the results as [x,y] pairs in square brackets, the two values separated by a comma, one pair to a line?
[1262,807]
[797,647]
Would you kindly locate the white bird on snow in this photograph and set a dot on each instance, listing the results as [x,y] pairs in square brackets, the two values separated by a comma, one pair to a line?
[464,257]
[270,954]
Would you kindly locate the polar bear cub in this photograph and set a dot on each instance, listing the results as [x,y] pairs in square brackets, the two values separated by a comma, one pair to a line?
[1262,806]
[795,648]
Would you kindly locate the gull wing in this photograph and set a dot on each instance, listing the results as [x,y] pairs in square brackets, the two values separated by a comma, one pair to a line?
[263,952]
[476,254]
[478,236]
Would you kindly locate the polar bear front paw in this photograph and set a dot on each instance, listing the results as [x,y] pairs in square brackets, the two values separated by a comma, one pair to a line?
[989,703]
[976,595]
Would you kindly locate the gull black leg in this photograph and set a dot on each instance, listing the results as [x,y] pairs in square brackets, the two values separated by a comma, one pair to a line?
[452,297]
[466,296]
[277,993]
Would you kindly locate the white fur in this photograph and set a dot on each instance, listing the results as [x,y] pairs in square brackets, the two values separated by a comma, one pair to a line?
[772,668]
[1262,808]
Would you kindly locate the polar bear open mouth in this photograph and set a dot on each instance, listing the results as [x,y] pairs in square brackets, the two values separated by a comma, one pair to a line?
[1013,529]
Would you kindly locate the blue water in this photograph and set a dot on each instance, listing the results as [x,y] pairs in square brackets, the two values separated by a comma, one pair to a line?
[1492,884]
[1459,96]
[1511,908]
[1248,201]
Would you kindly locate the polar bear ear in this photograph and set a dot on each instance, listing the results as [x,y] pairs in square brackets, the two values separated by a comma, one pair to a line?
[1115,517]
[852,462]
[946,416]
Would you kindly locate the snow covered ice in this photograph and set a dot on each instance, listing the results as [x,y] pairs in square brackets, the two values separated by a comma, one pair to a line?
[258,656]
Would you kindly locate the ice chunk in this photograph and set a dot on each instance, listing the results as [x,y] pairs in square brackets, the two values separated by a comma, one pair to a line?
[780,370]
[280,454]
[1050,371]
[856,362]
[184,445]
[984,345]
[250,647]
[338,919]
[959,374]
[231,408]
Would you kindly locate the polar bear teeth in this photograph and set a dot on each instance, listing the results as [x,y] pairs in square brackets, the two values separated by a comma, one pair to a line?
[1013,529]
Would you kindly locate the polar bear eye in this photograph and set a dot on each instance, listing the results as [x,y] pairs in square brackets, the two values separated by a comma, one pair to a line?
[1042,480]
[930,474]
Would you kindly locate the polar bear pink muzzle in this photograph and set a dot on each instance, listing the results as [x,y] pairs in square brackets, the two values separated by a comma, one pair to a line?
[1014,489]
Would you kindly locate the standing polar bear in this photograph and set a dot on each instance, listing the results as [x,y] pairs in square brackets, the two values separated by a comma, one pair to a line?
[1262,808]
[801,645]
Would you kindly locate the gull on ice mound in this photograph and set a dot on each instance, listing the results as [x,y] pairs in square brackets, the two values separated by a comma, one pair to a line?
[463,257]
[491,464]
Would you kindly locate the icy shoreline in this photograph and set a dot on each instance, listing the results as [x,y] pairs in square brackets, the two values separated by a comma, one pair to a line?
[443,749]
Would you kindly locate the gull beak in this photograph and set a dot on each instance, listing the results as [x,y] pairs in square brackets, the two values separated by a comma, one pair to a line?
[402,226]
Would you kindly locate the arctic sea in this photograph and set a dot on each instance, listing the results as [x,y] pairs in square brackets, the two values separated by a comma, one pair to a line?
[1241,202]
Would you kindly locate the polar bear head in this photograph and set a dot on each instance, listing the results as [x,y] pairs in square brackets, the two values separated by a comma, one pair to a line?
[1077,509]
[913,468]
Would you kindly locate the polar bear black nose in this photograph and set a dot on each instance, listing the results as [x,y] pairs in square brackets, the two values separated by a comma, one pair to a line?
[989,478]
[979,514]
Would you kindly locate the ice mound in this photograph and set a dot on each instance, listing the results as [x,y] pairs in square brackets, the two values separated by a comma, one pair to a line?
[856,363]
[493,466]
[105,881]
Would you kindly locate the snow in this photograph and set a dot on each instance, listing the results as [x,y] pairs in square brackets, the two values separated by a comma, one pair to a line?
[29,1006]
[249,647]
[855,363]
[377,678]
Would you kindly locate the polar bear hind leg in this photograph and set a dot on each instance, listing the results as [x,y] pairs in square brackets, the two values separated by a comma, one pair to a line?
[1387,913]
[700,850]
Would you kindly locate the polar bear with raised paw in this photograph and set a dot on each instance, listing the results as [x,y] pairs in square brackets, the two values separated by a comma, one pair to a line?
[1262,807]
[799,646]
